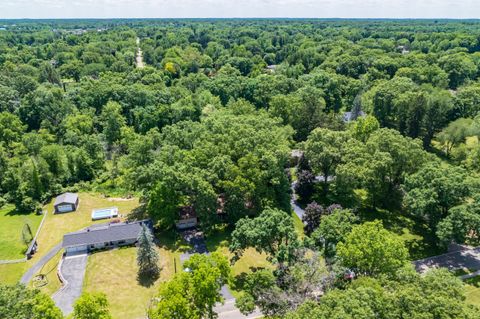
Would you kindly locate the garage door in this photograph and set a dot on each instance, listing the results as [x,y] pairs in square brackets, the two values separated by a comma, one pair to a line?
[76,249]
[64,208]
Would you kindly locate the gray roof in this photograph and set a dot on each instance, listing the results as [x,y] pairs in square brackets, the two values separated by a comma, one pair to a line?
[104,233]
[70,198]
[348,116]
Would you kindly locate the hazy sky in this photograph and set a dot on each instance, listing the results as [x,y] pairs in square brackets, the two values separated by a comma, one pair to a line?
[239,8]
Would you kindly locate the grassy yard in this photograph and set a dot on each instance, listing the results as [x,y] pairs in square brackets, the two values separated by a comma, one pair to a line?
[11,226]
[52,283]
[297,222]
[11,273]
[251,259]
[114,273]
[472,290]
[56,225]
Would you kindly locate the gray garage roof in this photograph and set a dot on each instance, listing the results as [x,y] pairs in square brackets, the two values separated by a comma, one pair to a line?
[69,198]
[104,233]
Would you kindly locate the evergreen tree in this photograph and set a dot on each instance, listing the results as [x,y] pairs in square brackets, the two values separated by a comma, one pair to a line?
[147,256]
[357,107]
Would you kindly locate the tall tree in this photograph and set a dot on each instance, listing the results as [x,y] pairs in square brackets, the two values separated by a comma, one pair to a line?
[91,306]
[19,302]
[372,250]
[324,150]
[193,293]
[272,232]
[433,190]
[332,229]
[112,122]
[147,256]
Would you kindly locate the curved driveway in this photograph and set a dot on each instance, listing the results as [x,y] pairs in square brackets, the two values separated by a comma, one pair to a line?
[28,275]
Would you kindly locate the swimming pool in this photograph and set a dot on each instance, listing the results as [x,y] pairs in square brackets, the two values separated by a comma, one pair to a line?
[104,213]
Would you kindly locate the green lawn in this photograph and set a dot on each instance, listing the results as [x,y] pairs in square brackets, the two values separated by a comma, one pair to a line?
[56,225]
[251,259]
[114,272]
[11,273]
[11,226]
[472,290]
[297,222]
[49,270]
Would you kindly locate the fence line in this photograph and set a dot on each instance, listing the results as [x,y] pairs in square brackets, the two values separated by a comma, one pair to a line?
[24,259]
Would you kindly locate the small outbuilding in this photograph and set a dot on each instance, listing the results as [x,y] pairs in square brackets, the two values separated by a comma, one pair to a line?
[187,218]
[66,202]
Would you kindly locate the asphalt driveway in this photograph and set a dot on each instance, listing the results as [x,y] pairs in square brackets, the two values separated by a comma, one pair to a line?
[28,275]
[73,270]
[468,258]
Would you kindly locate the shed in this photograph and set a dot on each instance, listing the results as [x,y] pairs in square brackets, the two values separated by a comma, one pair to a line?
[188,218]
[66,202]
[103,236]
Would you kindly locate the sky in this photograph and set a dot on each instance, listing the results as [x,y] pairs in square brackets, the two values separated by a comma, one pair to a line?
[239,8]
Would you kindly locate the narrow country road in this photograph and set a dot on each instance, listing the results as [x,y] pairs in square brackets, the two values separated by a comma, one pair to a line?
[40,263]
[139,56]
[293,201]
[469,258]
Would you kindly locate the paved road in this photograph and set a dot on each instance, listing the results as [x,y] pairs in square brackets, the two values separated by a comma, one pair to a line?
[139,57]
[73,270]
[229,311]
[469,258]
[40,263]
[293,202]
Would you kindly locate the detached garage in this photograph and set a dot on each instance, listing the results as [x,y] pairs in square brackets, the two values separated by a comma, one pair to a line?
[67,202]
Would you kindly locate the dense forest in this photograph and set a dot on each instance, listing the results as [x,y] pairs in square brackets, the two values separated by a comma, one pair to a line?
[375,122]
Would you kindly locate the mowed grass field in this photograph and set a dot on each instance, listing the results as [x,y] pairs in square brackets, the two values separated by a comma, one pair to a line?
[114,272]
[11,226]
[56,225]
[250,260]
[472,290]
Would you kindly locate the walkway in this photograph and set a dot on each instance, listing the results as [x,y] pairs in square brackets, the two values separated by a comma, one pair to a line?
[469,258]
[40,263]
[73,271]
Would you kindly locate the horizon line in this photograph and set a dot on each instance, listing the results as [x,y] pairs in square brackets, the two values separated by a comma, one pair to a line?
[233,17]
